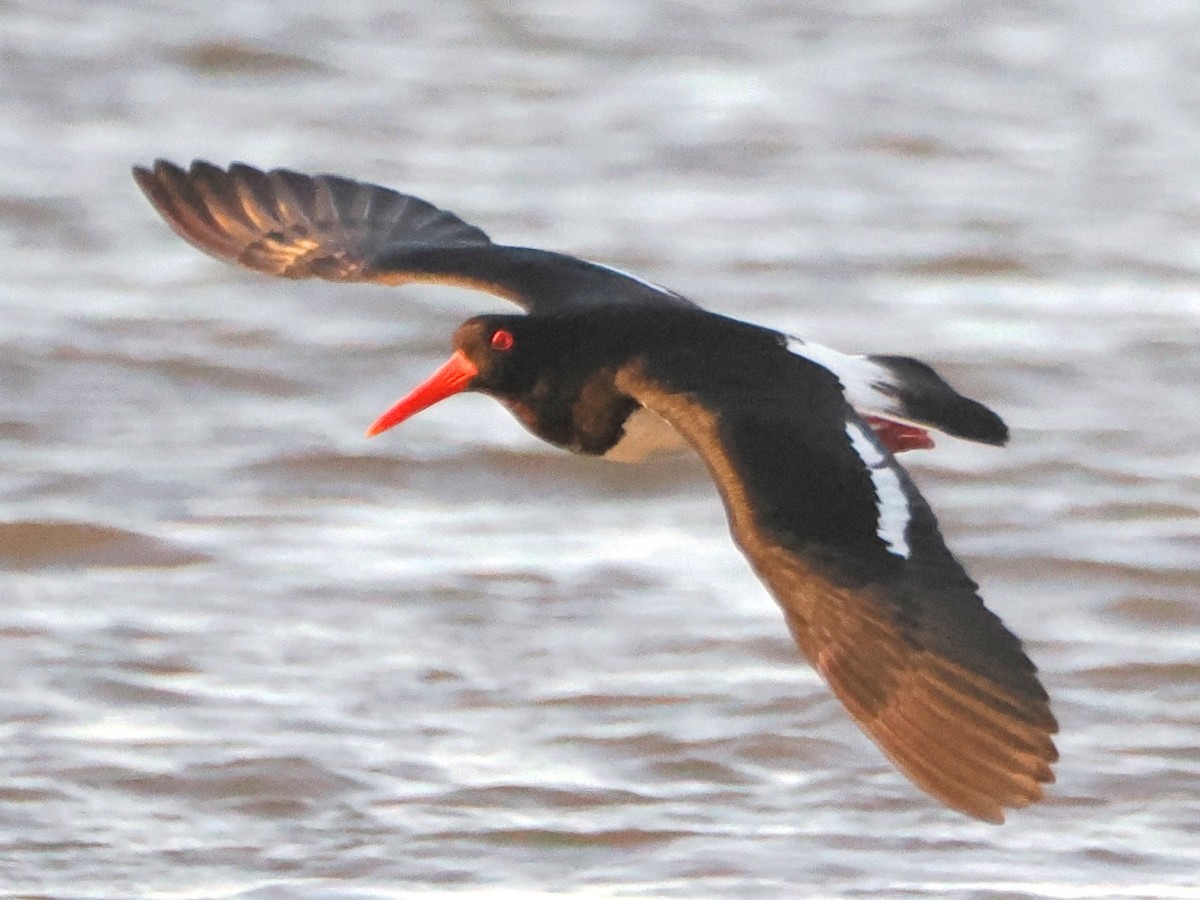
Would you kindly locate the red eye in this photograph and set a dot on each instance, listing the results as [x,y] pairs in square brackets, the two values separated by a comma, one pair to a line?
[502,340]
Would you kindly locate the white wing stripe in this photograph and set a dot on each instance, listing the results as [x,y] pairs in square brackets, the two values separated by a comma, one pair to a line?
[891,503]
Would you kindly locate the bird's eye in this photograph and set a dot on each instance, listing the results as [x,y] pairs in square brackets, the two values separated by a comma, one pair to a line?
[502,340]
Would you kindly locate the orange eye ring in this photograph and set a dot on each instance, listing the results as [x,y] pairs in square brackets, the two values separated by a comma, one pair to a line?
[502,340]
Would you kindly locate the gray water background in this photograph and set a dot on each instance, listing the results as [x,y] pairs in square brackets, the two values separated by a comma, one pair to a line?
[247,653]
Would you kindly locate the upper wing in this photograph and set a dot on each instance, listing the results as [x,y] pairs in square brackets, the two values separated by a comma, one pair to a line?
[325,226]
[837,531]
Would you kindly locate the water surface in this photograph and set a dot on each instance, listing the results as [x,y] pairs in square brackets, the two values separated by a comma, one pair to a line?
[250,654]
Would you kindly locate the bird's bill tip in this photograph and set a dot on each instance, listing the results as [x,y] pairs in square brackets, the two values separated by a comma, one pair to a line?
[453,376]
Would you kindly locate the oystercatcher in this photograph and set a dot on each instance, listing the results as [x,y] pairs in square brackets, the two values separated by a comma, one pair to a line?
[800,440]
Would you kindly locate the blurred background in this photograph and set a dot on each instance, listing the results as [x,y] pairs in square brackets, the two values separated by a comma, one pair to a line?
[247,653]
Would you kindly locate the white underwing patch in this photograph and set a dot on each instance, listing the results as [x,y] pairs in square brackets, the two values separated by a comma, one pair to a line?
[891,503]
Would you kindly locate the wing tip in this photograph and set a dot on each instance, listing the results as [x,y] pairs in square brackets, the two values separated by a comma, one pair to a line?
[285,223]
[983,781]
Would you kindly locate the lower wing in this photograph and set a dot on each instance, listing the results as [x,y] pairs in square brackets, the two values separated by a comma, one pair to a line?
[837,531]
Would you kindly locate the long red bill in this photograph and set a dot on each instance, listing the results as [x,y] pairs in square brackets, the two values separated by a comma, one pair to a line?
[453,376]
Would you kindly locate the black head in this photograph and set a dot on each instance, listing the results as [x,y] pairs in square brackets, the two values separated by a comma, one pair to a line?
[555,374]
[506,352]
[507,357]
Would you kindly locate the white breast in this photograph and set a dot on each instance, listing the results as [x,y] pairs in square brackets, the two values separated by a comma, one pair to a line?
[646,434]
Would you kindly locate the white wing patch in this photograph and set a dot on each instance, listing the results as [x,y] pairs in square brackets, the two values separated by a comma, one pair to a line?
[863,380]
[891,504]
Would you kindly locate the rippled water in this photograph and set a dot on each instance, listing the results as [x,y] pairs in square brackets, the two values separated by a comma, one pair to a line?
[249,654]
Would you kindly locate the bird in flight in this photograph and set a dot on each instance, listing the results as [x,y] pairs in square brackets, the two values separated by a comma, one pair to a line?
[801,441]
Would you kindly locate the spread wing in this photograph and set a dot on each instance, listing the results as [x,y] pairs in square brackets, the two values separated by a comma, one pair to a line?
[836,530]
[324,226]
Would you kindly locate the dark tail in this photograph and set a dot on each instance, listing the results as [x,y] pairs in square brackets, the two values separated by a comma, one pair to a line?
[920,394]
